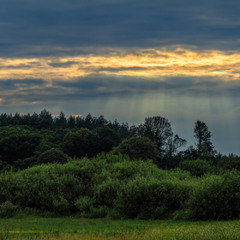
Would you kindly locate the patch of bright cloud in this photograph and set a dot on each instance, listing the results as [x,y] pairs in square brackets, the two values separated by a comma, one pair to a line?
[150,63]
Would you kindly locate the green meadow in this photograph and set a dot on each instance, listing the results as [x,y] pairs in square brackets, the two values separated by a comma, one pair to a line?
[96,229]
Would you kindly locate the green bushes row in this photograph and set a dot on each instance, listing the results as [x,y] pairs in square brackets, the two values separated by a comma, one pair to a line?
[115,186]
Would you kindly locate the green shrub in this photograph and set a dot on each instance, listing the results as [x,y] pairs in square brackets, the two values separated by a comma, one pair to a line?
[130,169]
[150,198]
[61,206]
[229,162]
[178,174]
[97,212]
[29,211]
[8,186]
[8,209]
[138,148]
[53,155]
[216,197]
[106,192]
[83,204]
[40,186]
[196,167]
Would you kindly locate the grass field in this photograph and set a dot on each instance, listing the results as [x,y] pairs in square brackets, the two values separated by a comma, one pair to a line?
[98,229]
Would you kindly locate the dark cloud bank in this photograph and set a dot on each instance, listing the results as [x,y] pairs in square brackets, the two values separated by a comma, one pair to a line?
[30,27]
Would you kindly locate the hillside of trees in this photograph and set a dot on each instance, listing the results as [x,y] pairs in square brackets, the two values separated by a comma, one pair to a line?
[95,168]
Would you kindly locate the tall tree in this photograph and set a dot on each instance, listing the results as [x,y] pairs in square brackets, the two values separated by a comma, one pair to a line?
[159,130]
[107,138]
[61,121]
[45,119]
[71,122]
[203,136]
[81,143]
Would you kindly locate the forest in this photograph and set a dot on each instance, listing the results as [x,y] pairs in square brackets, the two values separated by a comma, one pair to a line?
[92,167]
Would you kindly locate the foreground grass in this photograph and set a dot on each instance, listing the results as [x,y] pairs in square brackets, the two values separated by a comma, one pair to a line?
[99,229]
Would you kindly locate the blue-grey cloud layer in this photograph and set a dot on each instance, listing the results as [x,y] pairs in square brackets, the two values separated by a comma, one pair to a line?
[44,27]
[98,87]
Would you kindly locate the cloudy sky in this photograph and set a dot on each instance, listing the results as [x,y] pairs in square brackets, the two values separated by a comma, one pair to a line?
[127,60]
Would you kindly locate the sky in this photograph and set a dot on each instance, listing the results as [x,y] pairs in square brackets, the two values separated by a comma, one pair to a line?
[126,60]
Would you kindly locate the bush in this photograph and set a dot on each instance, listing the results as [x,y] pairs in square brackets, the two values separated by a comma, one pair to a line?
[196,167]
[229,162]
[150,198]
[83,204]
[106,192]
[216,197]
[127,170]
[53,155]
[8,186]
[138,148]
[8,209]
[97,212]
[61,206]
[39,187]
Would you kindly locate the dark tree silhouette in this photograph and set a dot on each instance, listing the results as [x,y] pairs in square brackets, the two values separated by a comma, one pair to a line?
[61,121]
[81,143]
[71,122]
[159,130]
[45,119]
[203,136]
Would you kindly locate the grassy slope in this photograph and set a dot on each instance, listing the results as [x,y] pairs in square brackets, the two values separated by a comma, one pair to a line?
[98,229]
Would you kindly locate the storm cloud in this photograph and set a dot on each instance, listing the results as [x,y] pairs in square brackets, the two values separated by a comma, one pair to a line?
[30,28]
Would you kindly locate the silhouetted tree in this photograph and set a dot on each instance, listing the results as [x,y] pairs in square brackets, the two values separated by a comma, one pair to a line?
[101,121]
[71,122]
[159,130]
[61,121]
[88,121]
[17,119]
[203,136]
[81,143]
[107,138]
[4,119]
[17,143]
[34,120]
[45,119]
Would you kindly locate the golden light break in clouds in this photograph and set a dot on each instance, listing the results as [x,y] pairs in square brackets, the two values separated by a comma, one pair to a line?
[150,63]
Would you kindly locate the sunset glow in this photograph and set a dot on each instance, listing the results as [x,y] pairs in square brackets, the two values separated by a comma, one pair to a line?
[148,63]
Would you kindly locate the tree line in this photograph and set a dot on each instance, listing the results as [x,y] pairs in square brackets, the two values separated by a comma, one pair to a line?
[31,139]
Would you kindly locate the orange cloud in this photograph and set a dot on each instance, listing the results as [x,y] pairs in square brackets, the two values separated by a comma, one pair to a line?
[145,63]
